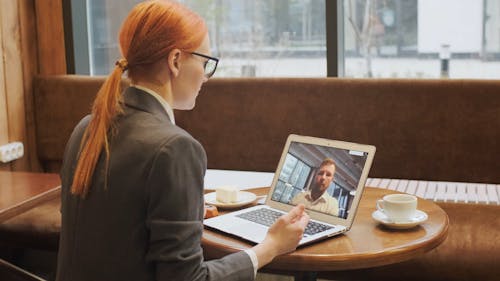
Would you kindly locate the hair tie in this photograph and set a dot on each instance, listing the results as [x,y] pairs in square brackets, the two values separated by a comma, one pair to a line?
[122,63]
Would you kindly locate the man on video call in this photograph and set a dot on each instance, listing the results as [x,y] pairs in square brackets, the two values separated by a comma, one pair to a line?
[316,198]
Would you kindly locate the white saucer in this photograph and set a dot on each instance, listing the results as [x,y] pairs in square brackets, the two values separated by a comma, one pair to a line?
[244,198]
[419,218]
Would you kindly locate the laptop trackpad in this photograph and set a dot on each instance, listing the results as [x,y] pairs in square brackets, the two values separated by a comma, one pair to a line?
[251,231]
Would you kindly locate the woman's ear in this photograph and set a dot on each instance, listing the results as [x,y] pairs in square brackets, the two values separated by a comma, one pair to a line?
[174,63]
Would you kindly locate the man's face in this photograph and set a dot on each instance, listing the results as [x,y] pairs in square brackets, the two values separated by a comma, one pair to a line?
[324,177]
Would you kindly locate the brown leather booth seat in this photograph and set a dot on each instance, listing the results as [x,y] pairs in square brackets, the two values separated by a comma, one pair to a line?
[37,228]
[445,130]
[423,129]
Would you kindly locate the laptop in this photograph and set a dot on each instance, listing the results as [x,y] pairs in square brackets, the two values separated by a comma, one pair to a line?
[327,176]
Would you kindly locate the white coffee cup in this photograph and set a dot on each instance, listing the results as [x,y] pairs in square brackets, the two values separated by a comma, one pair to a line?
[398,207]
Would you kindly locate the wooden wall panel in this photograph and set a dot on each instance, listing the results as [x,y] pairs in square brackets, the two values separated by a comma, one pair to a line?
[4,121]
[13,73]
[31,42]
[50,30]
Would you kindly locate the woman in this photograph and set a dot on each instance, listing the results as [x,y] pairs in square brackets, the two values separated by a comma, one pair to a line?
[132,199]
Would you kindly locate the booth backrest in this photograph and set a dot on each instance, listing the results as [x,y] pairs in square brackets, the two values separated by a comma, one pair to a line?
[445,130]
[60,102]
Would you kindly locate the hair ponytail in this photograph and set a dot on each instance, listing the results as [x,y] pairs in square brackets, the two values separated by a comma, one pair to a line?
[107,105]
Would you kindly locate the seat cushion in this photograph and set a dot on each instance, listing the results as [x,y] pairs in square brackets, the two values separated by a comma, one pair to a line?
[37,228]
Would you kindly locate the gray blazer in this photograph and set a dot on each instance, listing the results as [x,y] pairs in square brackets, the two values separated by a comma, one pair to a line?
[146,224]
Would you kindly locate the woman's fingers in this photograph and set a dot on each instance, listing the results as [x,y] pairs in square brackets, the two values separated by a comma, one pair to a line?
[295,214]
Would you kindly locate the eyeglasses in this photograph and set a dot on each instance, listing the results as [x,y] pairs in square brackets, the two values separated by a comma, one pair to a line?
[210,65]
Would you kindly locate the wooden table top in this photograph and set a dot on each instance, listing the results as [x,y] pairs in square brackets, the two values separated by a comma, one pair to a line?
[367,244]
[20,191]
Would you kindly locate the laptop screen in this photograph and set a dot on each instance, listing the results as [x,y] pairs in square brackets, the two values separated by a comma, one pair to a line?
[323,178]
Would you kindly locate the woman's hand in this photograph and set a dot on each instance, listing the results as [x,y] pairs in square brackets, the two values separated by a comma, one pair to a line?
[283,236]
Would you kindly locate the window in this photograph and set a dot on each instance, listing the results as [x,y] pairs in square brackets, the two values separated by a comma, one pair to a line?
[293,179]
[266,37]
[310,38]
[422,38]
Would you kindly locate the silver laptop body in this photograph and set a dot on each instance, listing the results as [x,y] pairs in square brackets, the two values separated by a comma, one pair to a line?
[299,165]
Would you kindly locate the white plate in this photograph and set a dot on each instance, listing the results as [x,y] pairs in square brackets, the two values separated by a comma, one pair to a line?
[419,218]
[244,198]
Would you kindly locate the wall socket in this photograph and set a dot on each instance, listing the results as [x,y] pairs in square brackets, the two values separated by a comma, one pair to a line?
[11,151]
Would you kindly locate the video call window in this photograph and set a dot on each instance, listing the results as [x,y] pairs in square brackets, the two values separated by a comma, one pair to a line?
[302,164]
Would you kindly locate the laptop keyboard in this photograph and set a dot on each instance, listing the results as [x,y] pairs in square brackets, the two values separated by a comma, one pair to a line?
[267,217]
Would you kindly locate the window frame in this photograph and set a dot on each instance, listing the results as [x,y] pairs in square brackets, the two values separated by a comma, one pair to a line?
[76,36]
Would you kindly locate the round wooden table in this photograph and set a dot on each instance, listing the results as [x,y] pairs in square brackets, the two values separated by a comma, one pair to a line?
[367,244]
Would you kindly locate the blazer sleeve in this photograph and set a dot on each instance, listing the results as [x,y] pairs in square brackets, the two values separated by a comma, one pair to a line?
[175,213]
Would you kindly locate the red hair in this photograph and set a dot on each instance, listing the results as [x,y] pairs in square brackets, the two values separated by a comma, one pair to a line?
[151,30]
